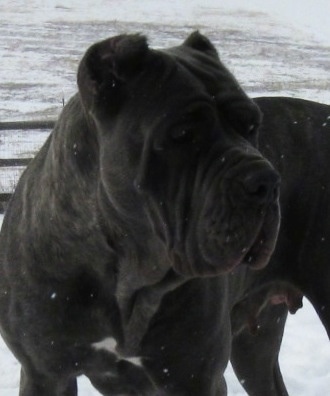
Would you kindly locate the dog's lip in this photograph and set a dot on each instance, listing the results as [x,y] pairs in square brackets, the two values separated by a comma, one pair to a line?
[255,255]
[260,251]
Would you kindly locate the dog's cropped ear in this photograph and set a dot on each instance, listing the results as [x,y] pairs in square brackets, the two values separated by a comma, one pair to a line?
[201,43]
[105,69]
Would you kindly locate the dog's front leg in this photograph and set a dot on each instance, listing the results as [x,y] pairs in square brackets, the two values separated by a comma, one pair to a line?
[38,385]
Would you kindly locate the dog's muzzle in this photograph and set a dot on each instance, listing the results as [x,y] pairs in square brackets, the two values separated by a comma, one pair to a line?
[238,222]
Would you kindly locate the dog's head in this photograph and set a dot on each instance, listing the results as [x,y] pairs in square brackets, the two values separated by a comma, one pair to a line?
[178,159]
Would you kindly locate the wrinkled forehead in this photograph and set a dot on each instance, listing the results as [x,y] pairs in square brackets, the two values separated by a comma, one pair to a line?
[181,75]
[166,88]
[202,67]
[176,76]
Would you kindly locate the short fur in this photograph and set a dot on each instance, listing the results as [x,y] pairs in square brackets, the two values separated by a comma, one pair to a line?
[112,249]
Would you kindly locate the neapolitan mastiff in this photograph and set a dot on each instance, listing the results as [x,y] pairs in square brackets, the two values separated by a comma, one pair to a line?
[295,137]
[148,189]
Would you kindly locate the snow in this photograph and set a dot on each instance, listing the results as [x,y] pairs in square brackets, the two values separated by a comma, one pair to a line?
[303,15]
[274,47]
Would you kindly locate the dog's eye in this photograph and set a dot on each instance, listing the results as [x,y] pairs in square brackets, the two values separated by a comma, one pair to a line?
[193,126]
[183,135]
[252,129]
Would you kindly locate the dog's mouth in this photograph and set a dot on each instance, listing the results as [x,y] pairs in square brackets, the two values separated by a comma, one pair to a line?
[217,255]
[258,254]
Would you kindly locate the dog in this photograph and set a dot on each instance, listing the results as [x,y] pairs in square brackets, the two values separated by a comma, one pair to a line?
[295,137]
[113,247]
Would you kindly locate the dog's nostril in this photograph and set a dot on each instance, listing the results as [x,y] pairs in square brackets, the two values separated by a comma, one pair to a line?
[260,191]
[262,185]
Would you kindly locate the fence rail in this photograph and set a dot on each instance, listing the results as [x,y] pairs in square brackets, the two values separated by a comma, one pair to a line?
[26,125]
[6,162]
[19,126]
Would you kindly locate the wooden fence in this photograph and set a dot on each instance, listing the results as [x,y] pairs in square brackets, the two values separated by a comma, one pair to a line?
[15,127]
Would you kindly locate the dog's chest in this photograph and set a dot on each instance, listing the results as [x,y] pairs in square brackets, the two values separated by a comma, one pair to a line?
[94,316]
[110,345]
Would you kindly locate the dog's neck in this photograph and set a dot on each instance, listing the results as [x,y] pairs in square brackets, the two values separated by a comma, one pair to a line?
[139,307]
[144,274]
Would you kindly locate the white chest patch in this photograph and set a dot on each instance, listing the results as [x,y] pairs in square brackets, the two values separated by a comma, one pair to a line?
[109,344]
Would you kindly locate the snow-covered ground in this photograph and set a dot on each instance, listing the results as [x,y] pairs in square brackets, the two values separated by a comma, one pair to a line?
[274,47]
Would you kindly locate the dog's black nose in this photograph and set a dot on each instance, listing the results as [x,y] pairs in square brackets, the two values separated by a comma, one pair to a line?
[262,185]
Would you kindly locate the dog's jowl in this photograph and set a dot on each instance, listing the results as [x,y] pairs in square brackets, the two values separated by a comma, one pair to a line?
[115,243]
